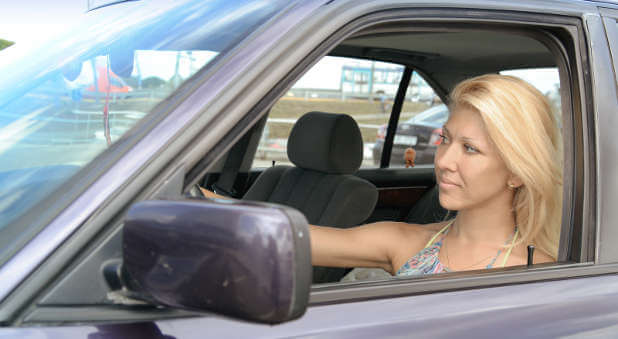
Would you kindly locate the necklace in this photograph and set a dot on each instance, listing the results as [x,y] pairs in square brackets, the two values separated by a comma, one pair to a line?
[448,262]
[512,237]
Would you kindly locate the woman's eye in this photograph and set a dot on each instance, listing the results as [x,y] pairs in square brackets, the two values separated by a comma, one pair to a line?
[443,139]
[470,149]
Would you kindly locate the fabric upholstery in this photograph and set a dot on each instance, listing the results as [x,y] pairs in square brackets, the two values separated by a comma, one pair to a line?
[326,142]
[326,148]
[325,199]
[427,209]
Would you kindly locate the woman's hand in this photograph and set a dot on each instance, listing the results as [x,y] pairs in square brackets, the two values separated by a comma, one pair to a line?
[211,194]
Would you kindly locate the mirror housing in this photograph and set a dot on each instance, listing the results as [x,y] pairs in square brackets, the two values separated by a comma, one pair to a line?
[243,259]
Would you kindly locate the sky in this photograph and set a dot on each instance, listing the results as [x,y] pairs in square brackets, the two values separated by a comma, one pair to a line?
[30,21]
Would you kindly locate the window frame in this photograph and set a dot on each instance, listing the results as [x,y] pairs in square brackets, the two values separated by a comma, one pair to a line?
[576,128]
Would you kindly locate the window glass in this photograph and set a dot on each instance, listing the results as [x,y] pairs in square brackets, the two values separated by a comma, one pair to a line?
[66,103]
[363,89]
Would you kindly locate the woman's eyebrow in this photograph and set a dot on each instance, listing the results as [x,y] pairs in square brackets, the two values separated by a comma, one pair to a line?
[468,139]
[465,139]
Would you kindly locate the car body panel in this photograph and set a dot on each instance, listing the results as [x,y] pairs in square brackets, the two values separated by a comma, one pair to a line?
[604,92]
[580,307]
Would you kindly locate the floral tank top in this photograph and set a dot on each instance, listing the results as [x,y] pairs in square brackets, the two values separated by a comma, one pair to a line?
[427,260]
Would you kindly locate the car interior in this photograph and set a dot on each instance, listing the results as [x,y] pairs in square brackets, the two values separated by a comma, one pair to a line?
[326,182]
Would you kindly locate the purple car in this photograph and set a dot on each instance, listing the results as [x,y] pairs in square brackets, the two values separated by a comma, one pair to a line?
[104,233]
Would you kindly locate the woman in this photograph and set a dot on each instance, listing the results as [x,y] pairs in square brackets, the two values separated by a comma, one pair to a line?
[498,165]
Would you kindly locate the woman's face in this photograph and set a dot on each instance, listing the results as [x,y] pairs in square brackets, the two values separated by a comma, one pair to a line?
[469,171]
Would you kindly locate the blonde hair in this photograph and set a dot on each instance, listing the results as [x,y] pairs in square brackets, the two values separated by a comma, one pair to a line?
[520,123]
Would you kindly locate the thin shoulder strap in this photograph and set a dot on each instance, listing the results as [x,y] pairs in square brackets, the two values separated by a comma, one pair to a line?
[506,255]
[437,234]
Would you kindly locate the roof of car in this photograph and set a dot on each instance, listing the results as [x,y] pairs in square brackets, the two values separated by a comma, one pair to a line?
[446,51]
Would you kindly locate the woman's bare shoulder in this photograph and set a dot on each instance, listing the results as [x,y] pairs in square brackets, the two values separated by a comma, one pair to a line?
[407,233]
[407,227]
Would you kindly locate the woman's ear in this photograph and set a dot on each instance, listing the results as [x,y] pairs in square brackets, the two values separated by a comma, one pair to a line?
[514,182]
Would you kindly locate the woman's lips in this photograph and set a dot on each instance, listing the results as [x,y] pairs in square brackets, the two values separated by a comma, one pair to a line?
[447,184]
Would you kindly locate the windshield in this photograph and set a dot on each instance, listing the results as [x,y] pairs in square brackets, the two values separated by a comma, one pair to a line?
[66,103]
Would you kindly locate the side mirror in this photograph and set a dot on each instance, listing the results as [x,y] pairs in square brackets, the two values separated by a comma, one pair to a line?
[243,259]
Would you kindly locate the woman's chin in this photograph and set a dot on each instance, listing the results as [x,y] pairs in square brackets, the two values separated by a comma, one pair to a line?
[449,203]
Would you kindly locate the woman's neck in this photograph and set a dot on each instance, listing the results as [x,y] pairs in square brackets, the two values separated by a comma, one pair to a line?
[491,223]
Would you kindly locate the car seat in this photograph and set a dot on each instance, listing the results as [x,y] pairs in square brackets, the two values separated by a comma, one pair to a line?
[427,209]
[326,150]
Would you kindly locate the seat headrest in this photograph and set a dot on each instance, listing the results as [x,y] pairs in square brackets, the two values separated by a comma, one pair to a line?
[326,142]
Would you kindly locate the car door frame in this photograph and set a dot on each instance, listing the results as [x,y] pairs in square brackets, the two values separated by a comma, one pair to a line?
[575,111]
[600,27]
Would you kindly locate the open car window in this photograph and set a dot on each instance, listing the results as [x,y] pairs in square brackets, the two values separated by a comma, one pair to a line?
[420,126]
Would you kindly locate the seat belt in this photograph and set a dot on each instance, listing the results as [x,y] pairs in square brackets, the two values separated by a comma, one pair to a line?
[225,183]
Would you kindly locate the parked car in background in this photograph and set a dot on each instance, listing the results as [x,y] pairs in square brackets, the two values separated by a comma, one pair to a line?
[421,132]
[103,233]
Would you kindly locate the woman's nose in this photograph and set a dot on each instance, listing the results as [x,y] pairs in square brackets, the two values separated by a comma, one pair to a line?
[446,157]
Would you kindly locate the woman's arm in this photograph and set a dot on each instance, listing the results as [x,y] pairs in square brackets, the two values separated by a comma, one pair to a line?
[364,246]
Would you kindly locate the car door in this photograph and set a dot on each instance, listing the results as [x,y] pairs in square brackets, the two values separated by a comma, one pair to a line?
[512,302]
